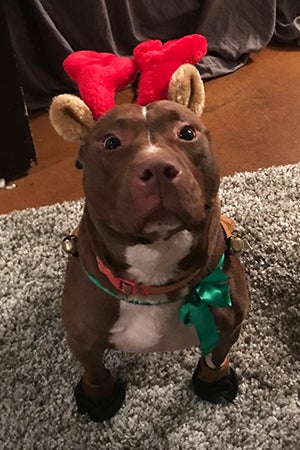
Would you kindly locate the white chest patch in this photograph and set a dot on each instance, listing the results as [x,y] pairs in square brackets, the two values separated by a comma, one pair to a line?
[155,264]
[144,328]
[157,327]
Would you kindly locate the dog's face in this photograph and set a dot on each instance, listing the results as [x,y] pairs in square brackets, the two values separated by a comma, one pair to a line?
[149,171]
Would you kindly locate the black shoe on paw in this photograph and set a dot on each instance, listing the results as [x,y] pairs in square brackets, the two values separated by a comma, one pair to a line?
[100,410]
[222,391]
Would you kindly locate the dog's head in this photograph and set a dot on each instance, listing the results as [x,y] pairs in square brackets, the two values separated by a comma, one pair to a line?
[148,171]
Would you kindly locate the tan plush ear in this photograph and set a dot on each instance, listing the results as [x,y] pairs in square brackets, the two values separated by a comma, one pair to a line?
[71,117]
[186,87]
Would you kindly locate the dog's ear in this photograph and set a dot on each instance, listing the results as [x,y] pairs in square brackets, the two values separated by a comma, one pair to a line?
[71,117]
[186,87]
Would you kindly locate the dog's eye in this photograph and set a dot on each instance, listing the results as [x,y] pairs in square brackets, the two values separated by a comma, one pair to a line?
[111,142]
[187,133]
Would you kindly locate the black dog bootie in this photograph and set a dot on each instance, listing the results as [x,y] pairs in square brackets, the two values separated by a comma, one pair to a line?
[221,391]
[100,410]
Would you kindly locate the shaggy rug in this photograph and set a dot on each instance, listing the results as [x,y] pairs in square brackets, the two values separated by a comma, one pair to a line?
[161,412]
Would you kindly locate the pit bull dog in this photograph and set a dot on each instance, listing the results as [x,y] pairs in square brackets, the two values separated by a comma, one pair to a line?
[152,251]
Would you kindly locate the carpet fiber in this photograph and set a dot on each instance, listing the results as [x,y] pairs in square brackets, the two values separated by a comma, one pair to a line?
[161,412]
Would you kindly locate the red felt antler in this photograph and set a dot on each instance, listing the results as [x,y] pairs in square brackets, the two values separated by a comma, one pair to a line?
[157,62]
[99,76]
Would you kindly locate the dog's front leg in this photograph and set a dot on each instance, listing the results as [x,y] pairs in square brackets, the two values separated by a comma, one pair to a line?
[87,319]
[214,380]
[96,393]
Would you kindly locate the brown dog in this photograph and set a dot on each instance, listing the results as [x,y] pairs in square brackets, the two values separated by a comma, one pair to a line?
[150,234]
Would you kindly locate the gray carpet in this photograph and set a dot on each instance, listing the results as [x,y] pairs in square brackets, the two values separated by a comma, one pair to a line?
[161,412]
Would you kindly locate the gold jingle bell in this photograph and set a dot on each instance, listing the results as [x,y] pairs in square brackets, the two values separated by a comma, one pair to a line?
[69,245]
[236,244]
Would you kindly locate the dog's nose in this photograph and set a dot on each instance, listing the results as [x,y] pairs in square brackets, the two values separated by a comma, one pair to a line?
[155,185]
[157,171]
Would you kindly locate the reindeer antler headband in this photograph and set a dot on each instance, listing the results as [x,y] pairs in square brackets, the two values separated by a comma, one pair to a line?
[166,71]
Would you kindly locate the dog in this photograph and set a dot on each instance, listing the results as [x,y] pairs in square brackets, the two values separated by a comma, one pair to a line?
[151,236]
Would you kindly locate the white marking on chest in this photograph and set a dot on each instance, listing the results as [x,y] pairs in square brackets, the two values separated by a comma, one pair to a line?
[147,328]
[157,263]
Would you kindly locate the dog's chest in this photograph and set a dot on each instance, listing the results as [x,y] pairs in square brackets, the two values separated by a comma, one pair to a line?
[145,328]
[154,327]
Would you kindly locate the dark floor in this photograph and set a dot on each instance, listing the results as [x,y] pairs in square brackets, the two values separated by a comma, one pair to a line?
[253,116]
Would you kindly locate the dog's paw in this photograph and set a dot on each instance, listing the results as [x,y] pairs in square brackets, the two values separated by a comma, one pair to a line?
[221,391]
[100,410]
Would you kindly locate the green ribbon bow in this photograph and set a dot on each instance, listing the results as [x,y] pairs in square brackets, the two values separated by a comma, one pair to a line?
[211,291]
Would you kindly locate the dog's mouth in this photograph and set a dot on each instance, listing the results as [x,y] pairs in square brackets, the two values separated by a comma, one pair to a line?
[161,224]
